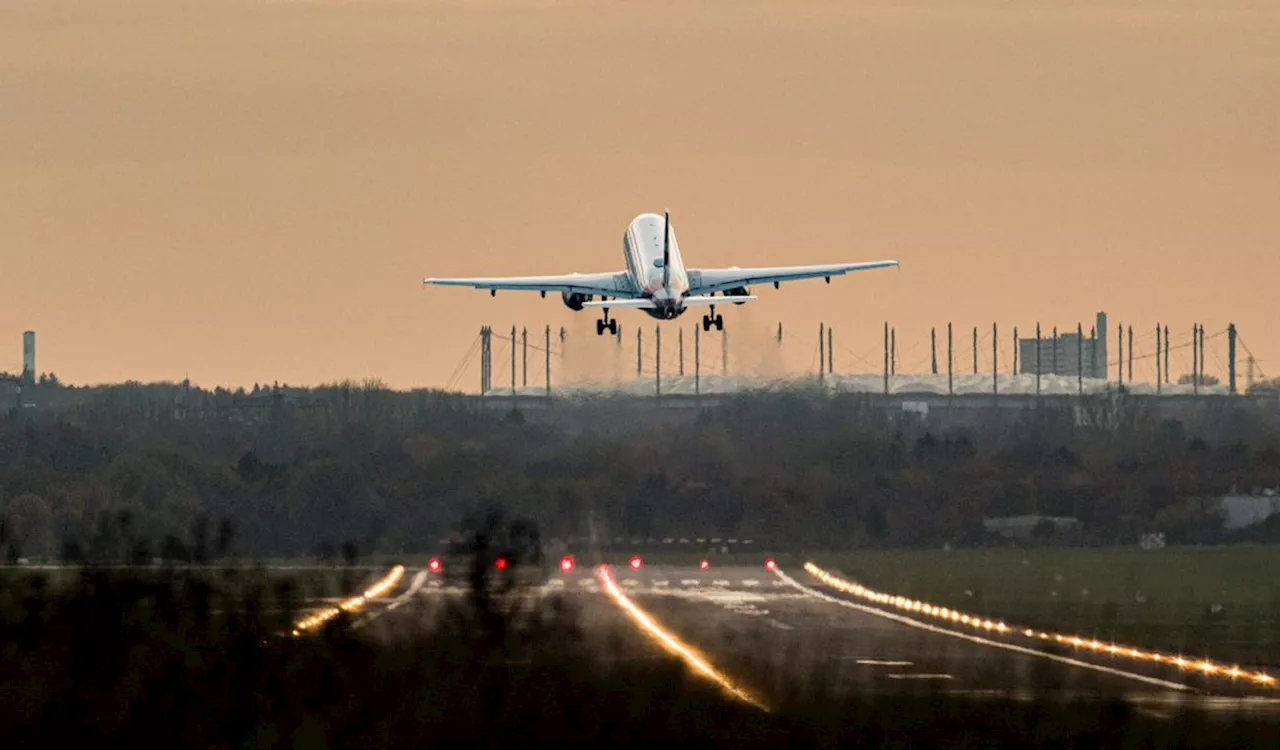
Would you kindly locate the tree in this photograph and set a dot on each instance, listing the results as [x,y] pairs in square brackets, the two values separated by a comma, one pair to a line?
[29,525]
[1269,387]
[1188,379]
[249,467]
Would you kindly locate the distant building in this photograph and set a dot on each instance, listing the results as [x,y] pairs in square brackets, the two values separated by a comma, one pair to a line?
[1022,528]
[29,356]
[1246,510]
[1067,354]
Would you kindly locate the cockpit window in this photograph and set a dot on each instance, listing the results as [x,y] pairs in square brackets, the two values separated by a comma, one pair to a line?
[657,262]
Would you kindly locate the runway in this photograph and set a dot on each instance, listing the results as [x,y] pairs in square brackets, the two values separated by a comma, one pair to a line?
[779,632]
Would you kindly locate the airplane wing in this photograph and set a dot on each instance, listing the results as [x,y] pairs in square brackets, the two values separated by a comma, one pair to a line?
[709,280]
[606,284]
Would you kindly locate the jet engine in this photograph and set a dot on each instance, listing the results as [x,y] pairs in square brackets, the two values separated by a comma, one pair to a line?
[575,300]
[741,291]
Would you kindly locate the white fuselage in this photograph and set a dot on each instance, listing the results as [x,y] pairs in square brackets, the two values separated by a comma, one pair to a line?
[642,248]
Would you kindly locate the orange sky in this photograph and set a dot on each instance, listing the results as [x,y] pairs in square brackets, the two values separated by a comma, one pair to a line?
[245,191]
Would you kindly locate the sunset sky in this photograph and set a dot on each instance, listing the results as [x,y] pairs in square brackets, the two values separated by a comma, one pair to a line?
[240,192]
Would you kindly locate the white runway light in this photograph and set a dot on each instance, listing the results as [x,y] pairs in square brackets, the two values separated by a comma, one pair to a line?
[672,644]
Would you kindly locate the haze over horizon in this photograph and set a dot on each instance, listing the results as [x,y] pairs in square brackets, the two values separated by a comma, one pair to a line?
[249,191]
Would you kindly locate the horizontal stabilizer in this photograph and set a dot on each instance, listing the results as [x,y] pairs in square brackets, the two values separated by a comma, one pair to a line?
[709,300]
[639,303]
[646,303]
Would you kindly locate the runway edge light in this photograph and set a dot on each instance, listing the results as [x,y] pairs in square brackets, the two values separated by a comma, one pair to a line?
[1204,666]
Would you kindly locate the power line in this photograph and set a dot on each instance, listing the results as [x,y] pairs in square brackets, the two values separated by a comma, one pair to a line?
[466,360]
[861,359]
[1259,375]
[532,346]
[502,359]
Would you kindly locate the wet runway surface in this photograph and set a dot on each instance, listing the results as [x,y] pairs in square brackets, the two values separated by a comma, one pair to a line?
[774,631]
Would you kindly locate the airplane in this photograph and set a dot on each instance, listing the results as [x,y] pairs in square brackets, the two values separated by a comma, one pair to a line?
[656,280]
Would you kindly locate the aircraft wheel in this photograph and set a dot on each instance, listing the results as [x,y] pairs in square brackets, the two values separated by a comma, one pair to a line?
[706,323]
[599,327]
[719,322]
[613,327]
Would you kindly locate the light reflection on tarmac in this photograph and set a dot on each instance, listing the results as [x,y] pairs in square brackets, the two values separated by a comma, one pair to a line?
[778,631]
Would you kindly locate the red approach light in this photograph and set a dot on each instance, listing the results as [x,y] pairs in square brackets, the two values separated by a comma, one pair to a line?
[704,565]
[770,564]
[500,563]
[566,564]
[636,562]
[433,565]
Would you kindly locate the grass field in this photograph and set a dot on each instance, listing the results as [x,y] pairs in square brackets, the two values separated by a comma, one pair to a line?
[1222,602]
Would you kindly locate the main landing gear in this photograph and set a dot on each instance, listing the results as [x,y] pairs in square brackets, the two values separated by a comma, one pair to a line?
[713,320]
[606,325]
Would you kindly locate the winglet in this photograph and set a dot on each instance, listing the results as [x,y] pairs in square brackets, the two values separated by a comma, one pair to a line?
[666,248]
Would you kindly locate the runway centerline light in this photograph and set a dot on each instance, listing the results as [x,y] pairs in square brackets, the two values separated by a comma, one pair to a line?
[635,562]
[433,565]
[566,564]
[703,565]
[500,563]
[770,564]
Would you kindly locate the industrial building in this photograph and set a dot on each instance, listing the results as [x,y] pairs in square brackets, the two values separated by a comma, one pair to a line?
[1069,353]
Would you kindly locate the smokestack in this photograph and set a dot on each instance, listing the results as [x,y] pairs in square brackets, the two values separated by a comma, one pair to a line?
[29,356]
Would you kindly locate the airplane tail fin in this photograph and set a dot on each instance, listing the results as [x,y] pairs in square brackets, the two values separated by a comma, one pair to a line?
[666,249]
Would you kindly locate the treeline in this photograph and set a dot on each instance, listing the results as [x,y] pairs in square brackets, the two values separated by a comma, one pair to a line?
[135,472]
